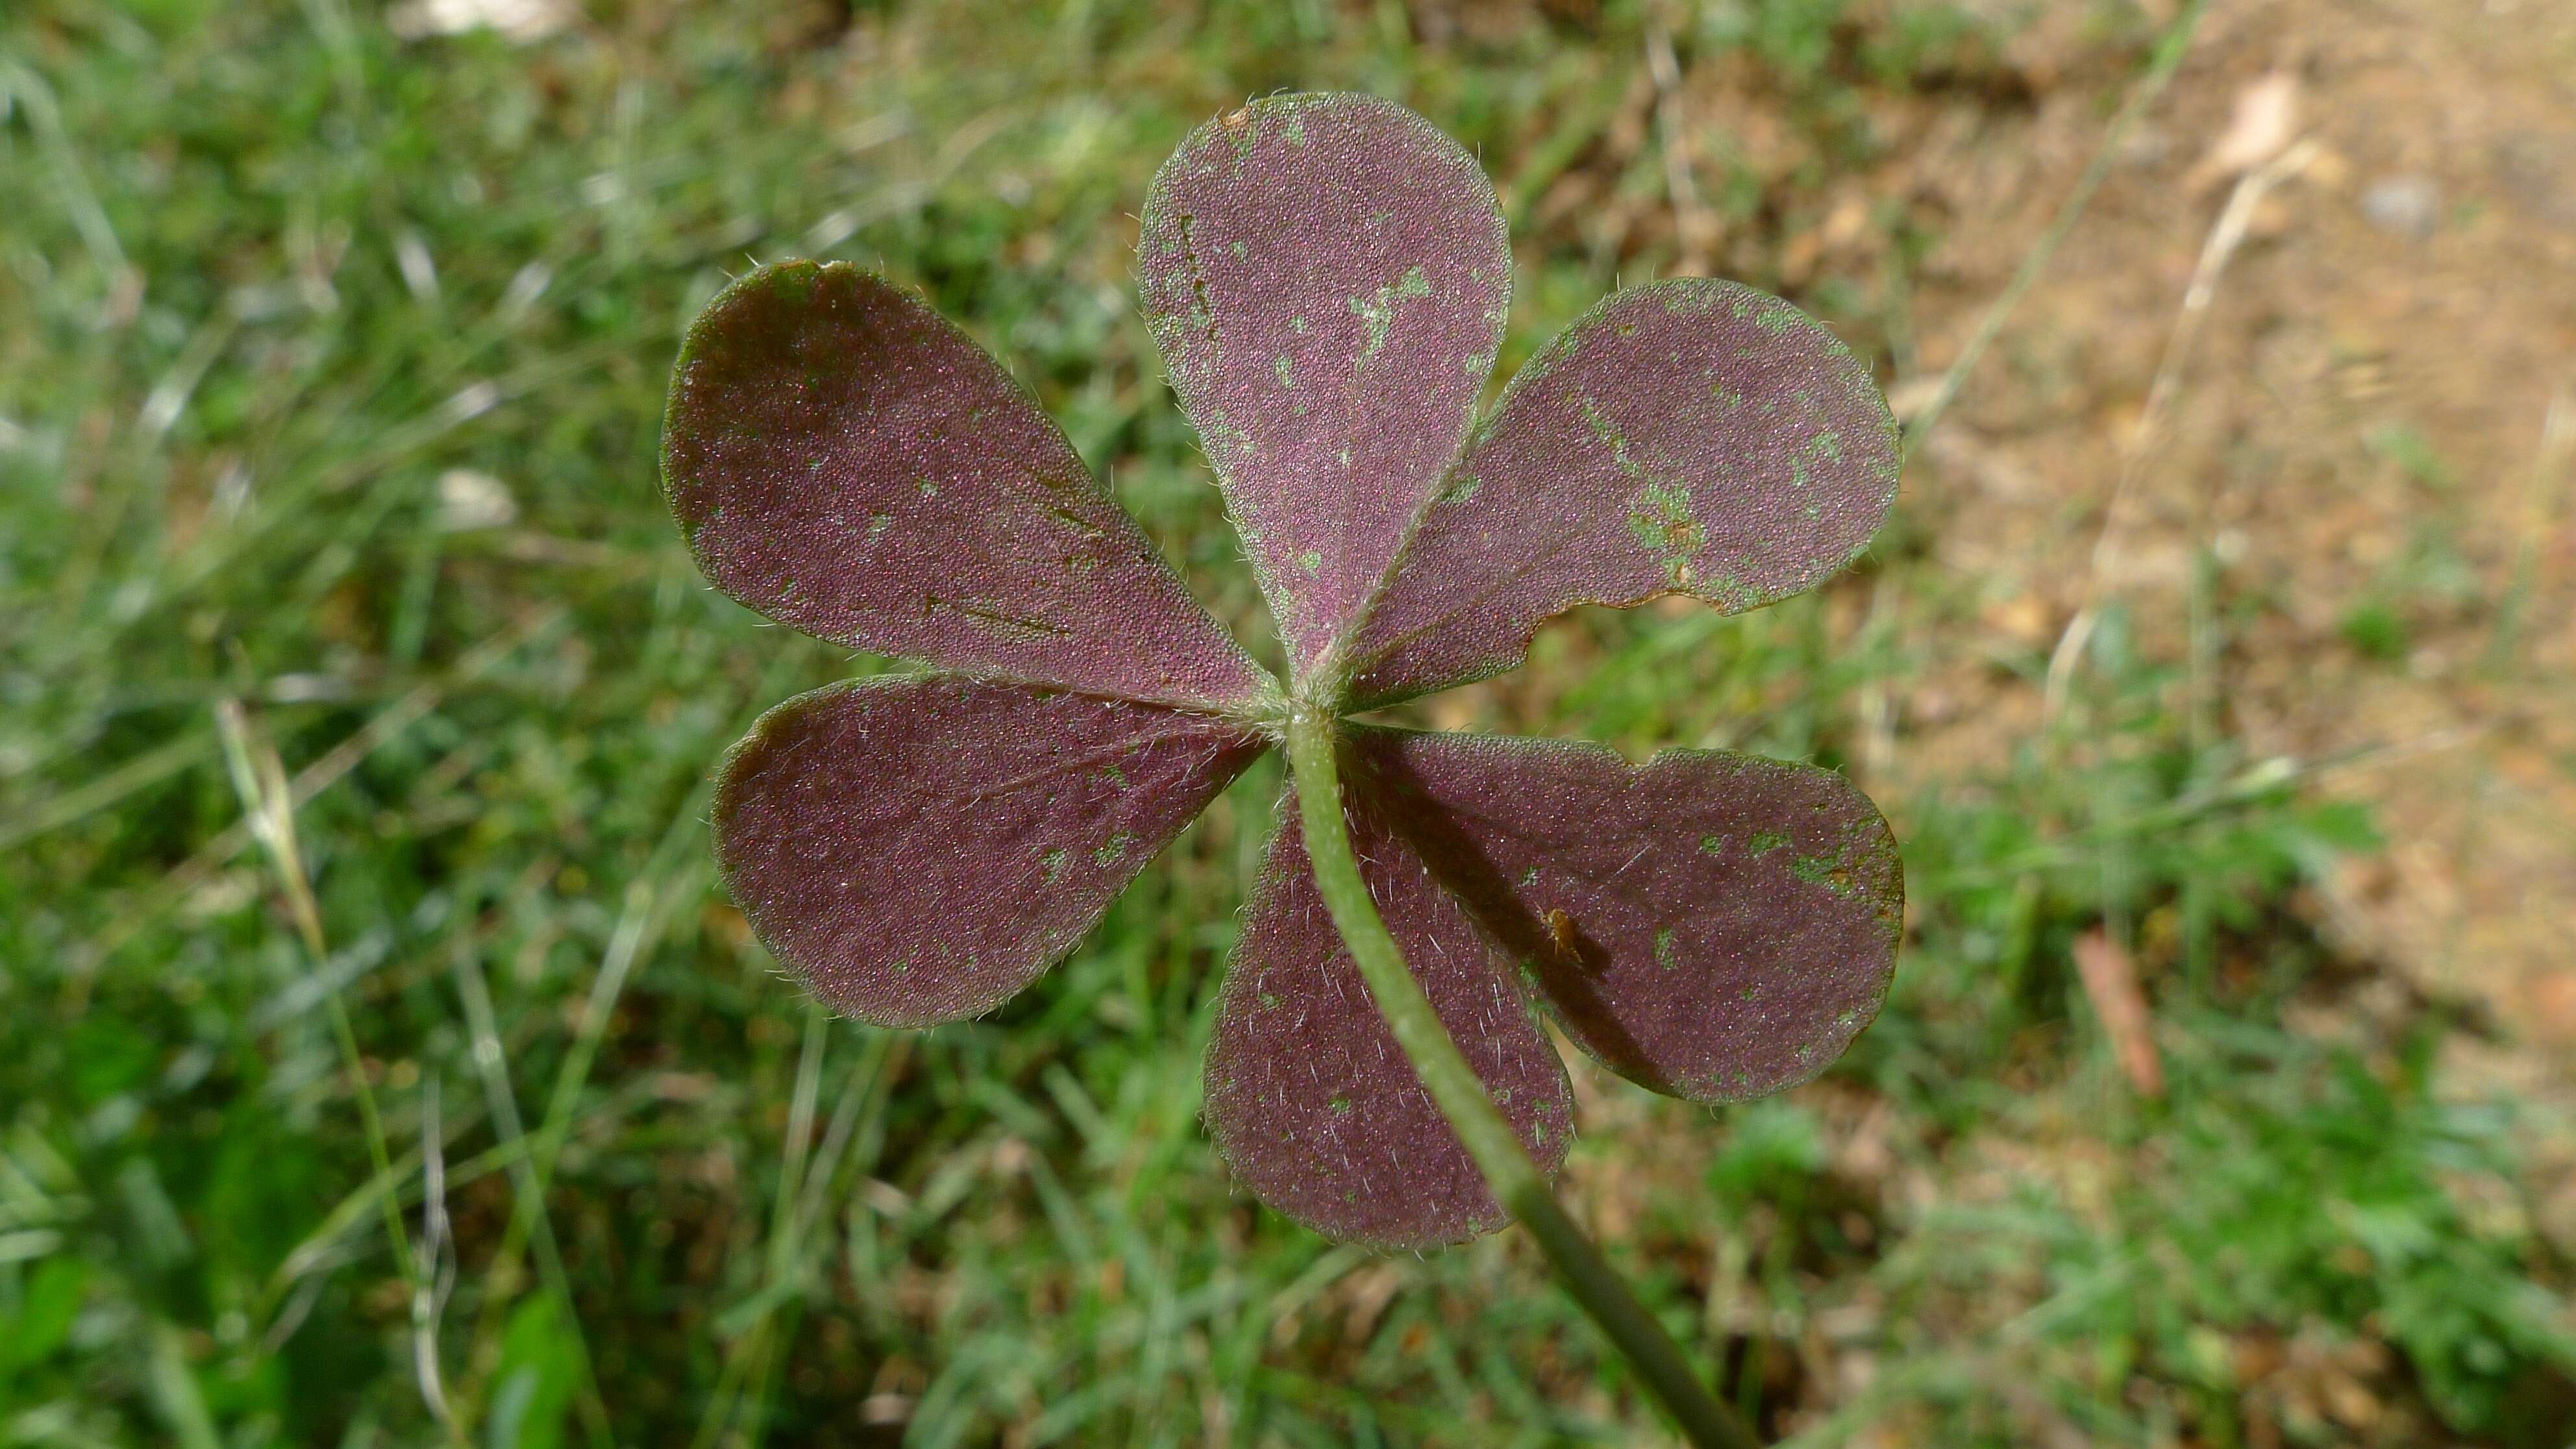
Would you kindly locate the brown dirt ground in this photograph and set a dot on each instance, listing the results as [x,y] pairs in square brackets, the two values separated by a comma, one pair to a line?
[2366,415]
[2379,408]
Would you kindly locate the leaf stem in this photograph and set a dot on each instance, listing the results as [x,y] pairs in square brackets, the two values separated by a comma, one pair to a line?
[1313,741]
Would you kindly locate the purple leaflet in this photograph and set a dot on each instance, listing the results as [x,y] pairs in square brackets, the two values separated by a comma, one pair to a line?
[847,462]
[1713,926]
[1327,276]
[1308,1096]
[1687,436]
[917,848]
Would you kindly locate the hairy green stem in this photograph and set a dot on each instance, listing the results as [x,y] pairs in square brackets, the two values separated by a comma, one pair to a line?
[1518,1184]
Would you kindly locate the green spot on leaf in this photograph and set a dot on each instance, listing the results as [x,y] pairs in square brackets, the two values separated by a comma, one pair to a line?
[1659,518]
[1112,850]
[1766,841]
[1379,312]
[1826,871]
[1226,441]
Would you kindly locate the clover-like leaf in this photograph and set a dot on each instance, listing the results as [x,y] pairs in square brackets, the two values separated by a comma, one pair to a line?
[1712,925]
[917,848]
[1687,436]
[1308,1096]
[847,462]
[1327,276]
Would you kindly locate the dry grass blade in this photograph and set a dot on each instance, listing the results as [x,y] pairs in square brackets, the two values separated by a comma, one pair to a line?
[2263,125]
[2549,471]
[2169,53]
[1693,222]
[2110,976]
[311,781]
[2226,235]
[429,1297]
[268,807]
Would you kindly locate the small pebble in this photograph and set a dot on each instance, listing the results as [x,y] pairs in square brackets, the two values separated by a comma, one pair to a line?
[468,500]
[2410,206]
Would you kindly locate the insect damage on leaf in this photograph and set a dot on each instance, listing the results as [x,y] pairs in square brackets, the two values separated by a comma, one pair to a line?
[1659,516]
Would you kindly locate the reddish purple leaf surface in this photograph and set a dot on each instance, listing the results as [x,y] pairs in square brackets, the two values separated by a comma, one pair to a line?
[1308,1096]
[1711,925]
[847,462]
[1688,436]
[1327,276]
[917,848]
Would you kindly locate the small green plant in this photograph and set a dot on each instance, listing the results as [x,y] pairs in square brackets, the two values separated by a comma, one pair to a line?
[1327,276]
